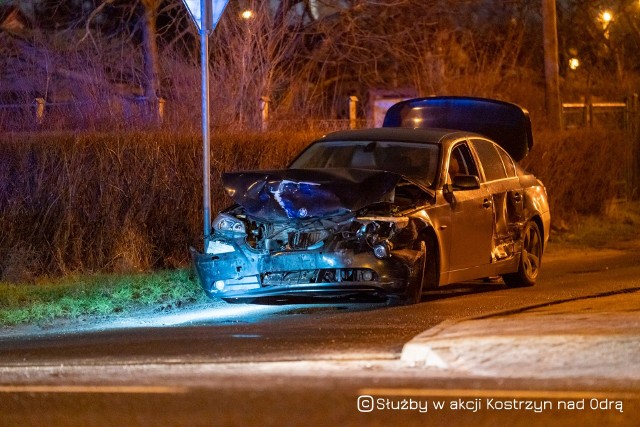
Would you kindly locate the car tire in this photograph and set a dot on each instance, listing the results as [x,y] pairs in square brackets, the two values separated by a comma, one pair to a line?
[431,276]
[530,258]
[416,280]
[424,273]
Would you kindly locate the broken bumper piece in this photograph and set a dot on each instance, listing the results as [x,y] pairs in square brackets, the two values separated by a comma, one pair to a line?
[243,274]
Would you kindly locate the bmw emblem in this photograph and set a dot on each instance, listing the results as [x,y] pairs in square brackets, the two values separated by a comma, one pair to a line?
[302,212]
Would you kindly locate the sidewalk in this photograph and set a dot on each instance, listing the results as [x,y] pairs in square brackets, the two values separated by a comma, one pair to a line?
[588,337]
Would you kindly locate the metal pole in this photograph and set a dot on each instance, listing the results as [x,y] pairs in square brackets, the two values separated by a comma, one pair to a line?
[206,153]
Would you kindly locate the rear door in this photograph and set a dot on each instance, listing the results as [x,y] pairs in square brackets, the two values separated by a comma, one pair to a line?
[502,183]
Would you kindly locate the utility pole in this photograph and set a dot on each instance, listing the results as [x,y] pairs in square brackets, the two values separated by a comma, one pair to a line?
[551,68]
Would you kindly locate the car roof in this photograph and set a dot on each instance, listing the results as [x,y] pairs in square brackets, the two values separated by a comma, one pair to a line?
[433,136]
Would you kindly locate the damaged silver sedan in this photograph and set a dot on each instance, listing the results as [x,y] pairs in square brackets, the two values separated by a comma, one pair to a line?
[434,197]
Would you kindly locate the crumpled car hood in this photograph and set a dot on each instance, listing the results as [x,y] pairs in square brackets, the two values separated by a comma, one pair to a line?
[308,193]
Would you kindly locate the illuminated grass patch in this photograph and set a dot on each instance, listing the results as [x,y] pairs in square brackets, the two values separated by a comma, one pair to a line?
[76,297]
[614,228]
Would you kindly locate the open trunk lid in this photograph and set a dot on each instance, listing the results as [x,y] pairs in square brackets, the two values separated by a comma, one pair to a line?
[507,124]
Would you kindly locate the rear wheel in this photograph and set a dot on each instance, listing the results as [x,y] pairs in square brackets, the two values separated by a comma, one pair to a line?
[530,258]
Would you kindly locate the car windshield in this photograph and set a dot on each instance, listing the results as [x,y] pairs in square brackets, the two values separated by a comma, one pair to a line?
[417,161]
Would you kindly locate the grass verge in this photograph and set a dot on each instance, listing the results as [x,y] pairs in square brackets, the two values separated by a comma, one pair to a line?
[614,229]
[75,297]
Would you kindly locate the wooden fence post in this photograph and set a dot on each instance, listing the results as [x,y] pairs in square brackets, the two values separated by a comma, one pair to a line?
[161,102]
[40,110]
[264,110]
[353,112]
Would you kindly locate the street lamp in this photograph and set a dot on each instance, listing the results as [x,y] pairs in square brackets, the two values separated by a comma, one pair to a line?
[606,17]
[247,14]
[574,63]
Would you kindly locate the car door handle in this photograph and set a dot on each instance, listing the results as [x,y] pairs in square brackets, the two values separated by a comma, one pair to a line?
[486,203]
[517,197]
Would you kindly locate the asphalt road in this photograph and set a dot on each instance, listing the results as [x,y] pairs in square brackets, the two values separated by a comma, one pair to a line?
[299,364]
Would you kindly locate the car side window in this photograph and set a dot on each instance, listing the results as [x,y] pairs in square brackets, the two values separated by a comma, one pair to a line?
[461,162]
[490,160]
[508,163]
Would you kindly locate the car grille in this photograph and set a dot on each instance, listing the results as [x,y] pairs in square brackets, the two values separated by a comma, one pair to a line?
[302,240]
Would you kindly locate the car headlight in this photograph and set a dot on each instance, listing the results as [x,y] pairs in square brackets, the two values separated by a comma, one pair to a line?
[228,223]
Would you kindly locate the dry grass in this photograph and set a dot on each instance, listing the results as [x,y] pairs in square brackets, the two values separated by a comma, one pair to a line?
[122,202]
[617,228]
[128,202]
[582,169]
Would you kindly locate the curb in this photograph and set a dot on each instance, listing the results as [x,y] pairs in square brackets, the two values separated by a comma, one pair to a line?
[551,340]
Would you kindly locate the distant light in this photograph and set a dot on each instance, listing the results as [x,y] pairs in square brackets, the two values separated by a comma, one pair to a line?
[247,14]
[607,16]
[574,63]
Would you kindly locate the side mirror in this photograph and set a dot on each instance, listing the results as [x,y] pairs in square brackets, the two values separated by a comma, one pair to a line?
[466,182]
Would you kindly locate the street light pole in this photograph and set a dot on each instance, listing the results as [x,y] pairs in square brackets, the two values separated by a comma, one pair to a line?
[551,68]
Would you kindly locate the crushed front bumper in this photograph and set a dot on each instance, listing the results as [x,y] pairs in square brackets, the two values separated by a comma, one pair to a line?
[245,273]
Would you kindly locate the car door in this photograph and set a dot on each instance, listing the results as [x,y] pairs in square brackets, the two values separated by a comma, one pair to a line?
[504,186]
[471,215]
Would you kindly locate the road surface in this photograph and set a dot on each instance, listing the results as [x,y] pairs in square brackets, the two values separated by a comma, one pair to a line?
[316,364]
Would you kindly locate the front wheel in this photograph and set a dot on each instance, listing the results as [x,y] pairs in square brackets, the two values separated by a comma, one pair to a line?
[424,272]
[416,281]
[530,258]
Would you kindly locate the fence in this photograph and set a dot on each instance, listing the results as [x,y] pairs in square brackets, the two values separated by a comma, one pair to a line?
[41,114]
[79,114]
[316,125]
[118,111]
[613,115]
[617,115]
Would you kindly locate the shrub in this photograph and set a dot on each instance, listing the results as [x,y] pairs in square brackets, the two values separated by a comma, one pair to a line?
[581,169]
[121,202]
[133,201]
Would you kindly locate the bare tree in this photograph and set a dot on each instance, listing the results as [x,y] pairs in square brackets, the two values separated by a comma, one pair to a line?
[254,55]
[471,48]
[150,52]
